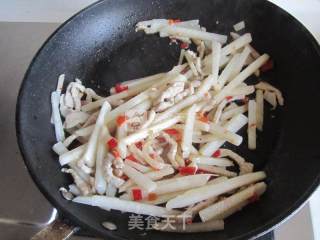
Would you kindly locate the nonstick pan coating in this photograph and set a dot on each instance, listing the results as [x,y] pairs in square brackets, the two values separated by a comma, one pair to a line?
[99,46]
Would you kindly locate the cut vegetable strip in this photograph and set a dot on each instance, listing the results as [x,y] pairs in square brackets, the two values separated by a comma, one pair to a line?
[100,182]
[239,26]
[230,202]
[72,155]
[188,132]
[268,87]
[107,203]
[89,154]
[248,71]
[232,47]
[252,125]
[205,192]
[137,166]
[181,183]
[259,109]
[154,175]
[234,125]
[227,72]
[191,33]
[271,98]
[82,132]
[55,100]
[245,167]
[59,148]
[221,162]
[140,179]
[139,135]
[220,171]
[237,207]
[227,114]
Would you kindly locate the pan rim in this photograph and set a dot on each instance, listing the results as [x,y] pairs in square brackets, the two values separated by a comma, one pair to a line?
[254,233]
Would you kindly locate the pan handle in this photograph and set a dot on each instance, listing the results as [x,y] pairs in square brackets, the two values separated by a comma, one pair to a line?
[57,230]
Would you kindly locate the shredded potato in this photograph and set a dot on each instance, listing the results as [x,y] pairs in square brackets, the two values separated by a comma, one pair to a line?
[156,143]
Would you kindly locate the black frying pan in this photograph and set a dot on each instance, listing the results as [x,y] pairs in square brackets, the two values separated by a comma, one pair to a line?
[99,46]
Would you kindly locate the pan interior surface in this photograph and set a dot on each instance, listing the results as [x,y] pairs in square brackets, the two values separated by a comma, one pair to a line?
[100,47]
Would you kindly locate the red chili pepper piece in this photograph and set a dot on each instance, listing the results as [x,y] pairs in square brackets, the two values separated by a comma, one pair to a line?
[115,153]
[201,171]
[228,98]
[203,117]
[184,45]
[217,153]
[152,196]
[171,131]
[187,171]
[139,145]
[131,158]
[267,66]
[112,143]
[124,177]
[120,120]
[173,21]
[137,194]
[120,88]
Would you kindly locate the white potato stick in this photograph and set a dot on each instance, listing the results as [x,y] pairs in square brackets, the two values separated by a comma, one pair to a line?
[140,81]
[243,75]
[163,198]
[242,90]
[143,133]
[188,132]
[221,162]
[153,175]
[252,125]
[138,166]
[268,87]
[172,152]
[86,177]
[83,186]
[72,155]
[227,114]
[216,225]
[189,56]
[217,115]
[82,132]
[60,83]
[192,211]
[233,125]
[100,182]
[237,44]
[241,62]
[188,101]
[124,107]
[89,154]
[271,98]
[239,26]
[227,72]
[259,191]
[245,167]
[139,109]
[259,109]
[215,62]
[107,203]
[205,192]
[201,126]
[140,179]
[220,171]
[181,183]
[55,101]
[59,148]
[224,133]
[254,52]
[207,83]
[230,202]
[191,33]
